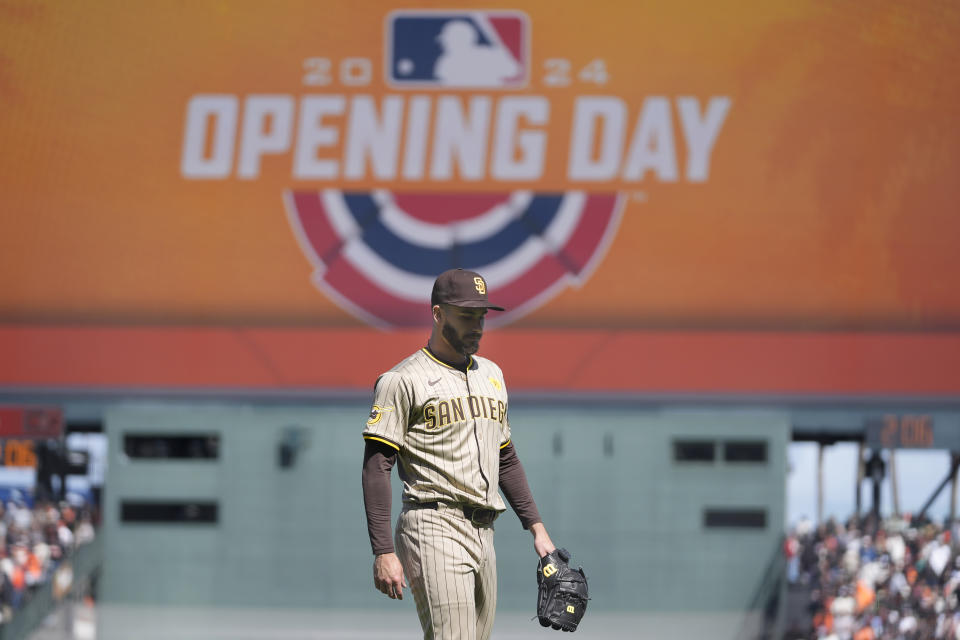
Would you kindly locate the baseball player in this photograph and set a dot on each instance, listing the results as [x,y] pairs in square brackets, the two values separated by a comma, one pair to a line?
[442,412]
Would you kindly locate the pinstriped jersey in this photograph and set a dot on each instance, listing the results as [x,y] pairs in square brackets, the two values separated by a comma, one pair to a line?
[448,426]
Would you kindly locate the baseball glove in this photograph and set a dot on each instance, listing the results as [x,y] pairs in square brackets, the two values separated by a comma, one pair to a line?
[561,592]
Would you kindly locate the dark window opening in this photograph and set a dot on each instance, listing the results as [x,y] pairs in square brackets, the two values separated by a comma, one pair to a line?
[745,451]
[693,450]
[84,427]
[735,518]
[204,446]
[169,512]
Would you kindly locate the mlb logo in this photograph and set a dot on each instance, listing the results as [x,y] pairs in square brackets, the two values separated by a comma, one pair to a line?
[468,49]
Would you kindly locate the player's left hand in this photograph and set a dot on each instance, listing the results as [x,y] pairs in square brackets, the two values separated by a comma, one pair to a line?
[542,543]
[562,592]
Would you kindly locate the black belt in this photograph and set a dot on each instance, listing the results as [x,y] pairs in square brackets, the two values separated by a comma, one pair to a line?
[476,515]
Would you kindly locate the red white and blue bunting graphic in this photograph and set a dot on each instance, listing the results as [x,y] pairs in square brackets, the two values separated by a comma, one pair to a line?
[377,253]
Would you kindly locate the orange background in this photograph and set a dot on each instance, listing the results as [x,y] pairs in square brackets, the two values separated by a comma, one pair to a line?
[830,205]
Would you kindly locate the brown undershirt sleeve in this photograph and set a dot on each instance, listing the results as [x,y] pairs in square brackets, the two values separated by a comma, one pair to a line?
[513,483]
[378,461]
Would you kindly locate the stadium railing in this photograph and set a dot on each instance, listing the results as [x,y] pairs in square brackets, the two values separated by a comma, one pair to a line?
[85,562]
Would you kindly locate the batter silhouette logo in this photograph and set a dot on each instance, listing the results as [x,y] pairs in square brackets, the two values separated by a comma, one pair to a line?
[482,49]
[377,253]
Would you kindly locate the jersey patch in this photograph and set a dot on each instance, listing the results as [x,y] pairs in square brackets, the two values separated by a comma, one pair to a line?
[376,413]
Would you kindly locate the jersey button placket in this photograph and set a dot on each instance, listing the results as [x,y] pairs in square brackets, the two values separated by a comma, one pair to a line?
[466,379]
[478,431]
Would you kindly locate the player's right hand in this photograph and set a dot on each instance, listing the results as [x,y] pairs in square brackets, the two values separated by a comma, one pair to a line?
[388,575]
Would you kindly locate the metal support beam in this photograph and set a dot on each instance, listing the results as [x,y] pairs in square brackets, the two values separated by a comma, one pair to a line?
[876,481]
[953,503]
[954,465]
[858,502]
[876,471]
[894,488]
[819,483]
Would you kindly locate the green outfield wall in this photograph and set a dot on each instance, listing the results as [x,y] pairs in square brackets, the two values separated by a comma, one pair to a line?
[668,510]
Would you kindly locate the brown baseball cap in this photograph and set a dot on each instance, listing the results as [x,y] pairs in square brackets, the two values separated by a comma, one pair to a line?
[461,288]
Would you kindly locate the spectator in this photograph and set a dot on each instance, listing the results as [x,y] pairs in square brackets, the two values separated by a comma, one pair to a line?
[898,583]
[33,541]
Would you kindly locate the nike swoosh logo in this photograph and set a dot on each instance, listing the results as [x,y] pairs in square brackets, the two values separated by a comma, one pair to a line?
[433,382]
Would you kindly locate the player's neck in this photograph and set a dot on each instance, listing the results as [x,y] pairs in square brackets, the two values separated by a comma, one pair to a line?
[442,351]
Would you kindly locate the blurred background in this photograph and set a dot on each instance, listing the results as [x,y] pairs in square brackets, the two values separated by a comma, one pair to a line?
[725,235]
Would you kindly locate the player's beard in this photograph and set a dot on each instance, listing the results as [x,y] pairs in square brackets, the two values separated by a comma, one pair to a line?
[459,344]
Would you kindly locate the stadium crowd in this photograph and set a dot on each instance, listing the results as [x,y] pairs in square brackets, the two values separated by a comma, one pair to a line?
[894,581]
[33,542]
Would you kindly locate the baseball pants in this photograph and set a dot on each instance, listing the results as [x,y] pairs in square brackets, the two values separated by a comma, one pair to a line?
[451,567]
